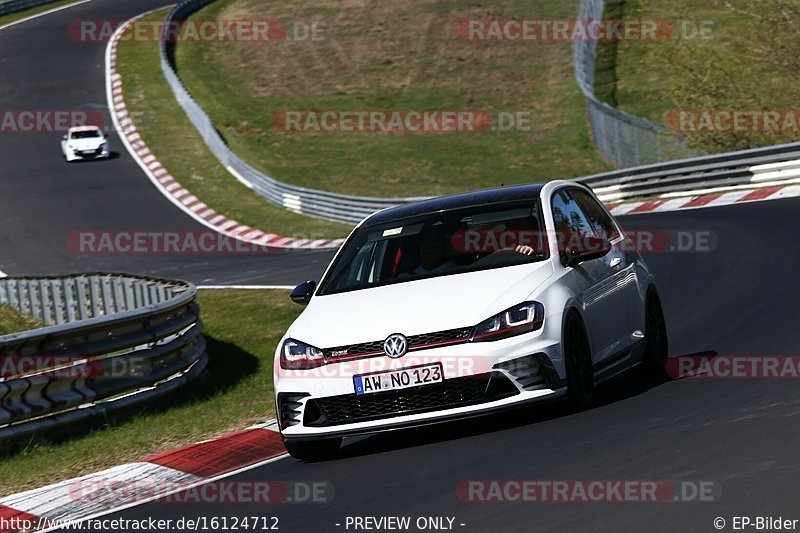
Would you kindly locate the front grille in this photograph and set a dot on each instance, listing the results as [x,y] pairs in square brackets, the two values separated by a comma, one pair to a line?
[457,392]
[354,350]
[415,342]
[451,336]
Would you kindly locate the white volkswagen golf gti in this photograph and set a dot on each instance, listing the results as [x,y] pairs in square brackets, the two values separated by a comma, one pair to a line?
[462,305]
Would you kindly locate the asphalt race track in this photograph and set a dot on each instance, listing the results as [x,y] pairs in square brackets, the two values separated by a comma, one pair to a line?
[44,200]
[739,298]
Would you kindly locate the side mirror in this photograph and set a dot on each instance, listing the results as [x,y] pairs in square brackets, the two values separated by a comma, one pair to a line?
[302,293]
[586,249]
[64,137]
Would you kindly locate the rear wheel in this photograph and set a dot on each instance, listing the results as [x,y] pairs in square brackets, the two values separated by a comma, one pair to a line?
[313,450]
[578,357]
[655,335]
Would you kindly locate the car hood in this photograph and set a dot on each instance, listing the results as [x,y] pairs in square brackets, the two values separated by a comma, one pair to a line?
[86,144]
[415,307]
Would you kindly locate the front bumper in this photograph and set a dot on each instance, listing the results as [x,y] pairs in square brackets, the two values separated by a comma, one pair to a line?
[425,419]
[478,378]
[88,155]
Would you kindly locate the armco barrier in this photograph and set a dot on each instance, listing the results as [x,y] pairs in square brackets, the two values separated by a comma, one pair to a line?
[682,176]
[320,204]
[12,6]
[771,165]
[109,341]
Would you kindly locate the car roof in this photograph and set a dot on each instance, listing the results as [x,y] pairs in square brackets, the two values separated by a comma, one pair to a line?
[498,195]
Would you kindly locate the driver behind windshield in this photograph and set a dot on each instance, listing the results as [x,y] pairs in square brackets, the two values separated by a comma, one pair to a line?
[432,248]
[433,253]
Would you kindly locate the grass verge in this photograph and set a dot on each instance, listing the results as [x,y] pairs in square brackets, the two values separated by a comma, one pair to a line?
[12,321]
[242,329]
[400,56]
[721,55]
[180,148]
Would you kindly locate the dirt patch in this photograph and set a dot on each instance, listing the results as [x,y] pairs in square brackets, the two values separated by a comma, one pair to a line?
[380,45]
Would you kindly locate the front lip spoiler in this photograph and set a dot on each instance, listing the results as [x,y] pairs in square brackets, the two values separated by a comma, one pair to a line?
[93,157]
[410,424]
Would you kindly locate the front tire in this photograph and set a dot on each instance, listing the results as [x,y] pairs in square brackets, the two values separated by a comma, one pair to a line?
[313,450]
[578,358]
[655,334]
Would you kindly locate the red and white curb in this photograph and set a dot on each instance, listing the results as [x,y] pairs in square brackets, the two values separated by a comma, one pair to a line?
[710,199]
[147,480]
[163,180]
[771,181]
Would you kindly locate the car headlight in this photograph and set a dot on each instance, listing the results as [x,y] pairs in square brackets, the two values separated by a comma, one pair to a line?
[296,355]
[522,318]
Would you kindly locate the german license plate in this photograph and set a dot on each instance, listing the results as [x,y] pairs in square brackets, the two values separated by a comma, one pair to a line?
[398,379]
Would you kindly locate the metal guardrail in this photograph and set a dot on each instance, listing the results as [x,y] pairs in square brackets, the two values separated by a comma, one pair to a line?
[12,6]
[623,139]
[686,177]
[316,203]
[109,341]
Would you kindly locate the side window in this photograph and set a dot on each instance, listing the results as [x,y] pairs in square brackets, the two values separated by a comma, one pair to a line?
[597,215]
[570,222]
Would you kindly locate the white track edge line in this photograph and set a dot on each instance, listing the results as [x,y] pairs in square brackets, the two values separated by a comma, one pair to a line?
[37,15]
[244,287]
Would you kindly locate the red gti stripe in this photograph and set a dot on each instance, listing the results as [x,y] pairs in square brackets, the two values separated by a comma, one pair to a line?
[460,340]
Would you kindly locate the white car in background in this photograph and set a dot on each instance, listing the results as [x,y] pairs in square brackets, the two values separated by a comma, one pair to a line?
[463,305]
[84,142]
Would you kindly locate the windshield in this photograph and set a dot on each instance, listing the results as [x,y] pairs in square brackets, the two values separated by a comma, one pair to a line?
[88,134]
[439,244]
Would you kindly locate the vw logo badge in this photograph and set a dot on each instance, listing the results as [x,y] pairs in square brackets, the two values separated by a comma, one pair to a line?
[395,346]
